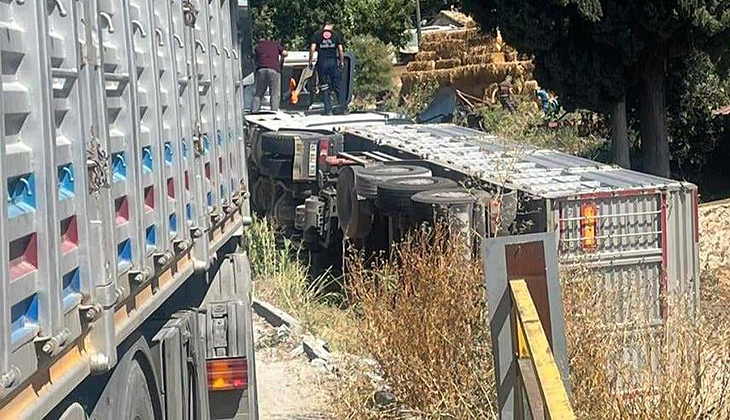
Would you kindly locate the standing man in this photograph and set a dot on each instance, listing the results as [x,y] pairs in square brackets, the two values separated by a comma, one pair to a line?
[269,55]
[505,94]
[329,46]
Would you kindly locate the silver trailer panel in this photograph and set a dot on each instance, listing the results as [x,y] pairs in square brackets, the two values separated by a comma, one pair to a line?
[122,164]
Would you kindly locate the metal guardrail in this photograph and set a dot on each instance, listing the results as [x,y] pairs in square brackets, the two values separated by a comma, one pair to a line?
[541,393]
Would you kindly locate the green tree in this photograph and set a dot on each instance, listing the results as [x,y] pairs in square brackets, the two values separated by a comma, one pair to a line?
[695,89]
[567,58]
[640,36]
[373,66]
[293,22]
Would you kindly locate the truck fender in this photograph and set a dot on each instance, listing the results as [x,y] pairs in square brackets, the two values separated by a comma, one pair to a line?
[137,352]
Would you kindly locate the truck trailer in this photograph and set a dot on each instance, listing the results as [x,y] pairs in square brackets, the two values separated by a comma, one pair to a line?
[365,180]
[123,291]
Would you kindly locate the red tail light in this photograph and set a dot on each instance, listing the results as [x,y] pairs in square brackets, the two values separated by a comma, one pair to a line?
[227,374]
[324,147]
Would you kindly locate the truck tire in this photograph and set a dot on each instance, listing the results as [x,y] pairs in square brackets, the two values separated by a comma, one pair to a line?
[394,195]
[354,214]
[368,178]
[137,402]
[282,142]
[262,191]
[284,211]
[277,168]
[427,205]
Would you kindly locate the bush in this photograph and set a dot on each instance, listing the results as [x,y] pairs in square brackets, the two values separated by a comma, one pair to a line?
[373,67]
[423,318]
[281,279]
[574,135]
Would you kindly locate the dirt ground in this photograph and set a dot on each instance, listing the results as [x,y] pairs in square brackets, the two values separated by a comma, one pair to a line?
[289,386]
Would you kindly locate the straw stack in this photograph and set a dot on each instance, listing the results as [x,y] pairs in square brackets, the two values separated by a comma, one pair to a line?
[466,59]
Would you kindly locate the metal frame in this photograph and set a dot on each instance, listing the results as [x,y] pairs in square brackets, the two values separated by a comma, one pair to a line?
[500,313]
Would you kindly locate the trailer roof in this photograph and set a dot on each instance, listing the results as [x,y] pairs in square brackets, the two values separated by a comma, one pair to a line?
[540,172]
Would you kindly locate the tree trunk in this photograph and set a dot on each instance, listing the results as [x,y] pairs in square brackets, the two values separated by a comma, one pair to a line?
[653,115]
[620,134]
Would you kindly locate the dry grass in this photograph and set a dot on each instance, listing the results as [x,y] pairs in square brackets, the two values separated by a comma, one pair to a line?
[423,318]
[281,279]
[632,370]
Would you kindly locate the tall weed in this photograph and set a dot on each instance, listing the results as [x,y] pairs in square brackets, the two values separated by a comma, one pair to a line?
[423,318]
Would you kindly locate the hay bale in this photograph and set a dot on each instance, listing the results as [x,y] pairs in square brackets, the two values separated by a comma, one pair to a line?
[420,65]
[531,86]
[446,49]
[483,49]
[448,63]
[510,56]
[456,34]
[477,59]
[426,56]
[497,57]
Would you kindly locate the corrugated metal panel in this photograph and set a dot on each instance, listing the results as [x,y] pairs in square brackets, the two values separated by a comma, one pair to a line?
[625,226]
[108,82]
[682,247]
[543,173]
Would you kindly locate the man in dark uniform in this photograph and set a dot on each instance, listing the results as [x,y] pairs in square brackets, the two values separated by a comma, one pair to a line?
[329,46]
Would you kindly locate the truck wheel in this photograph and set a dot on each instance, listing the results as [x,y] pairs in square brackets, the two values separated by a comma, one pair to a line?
[394,195]
[137,402]
[366,179]
[282,142]
[276,168]
[427,205]
[354,215]
[261,192]
[284,211]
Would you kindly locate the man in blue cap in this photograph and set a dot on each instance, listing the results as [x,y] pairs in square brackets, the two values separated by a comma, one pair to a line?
[329,45]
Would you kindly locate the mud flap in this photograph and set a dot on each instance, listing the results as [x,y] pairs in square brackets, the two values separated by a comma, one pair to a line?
[226,317]
[179,348]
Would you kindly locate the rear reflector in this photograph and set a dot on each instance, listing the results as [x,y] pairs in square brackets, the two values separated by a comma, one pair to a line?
[227,374]
[589,226]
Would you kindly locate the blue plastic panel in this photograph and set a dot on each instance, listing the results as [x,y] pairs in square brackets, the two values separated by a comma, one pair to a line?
[119,166]
[151,238]
[173,224]
[168,154]
[71,288]
[66,182]
[147,159]
[21,195]
[23,318]
[124,254]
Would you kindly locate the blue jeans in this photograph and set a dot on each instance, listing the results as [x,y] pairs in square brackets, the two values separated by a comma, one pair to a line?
[330,78]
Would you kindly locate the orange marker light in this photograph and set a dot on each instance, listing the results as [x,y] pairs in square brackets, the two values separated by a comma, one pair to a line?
[227,374]
[589,226]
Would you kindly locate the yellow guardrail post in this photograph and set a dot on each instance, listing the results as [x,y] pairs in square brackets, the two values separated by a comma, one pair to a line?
[532,344]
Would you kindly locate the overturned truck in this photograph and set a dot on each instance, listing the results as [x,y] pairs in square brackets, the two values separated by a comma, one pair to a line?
[370,177]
